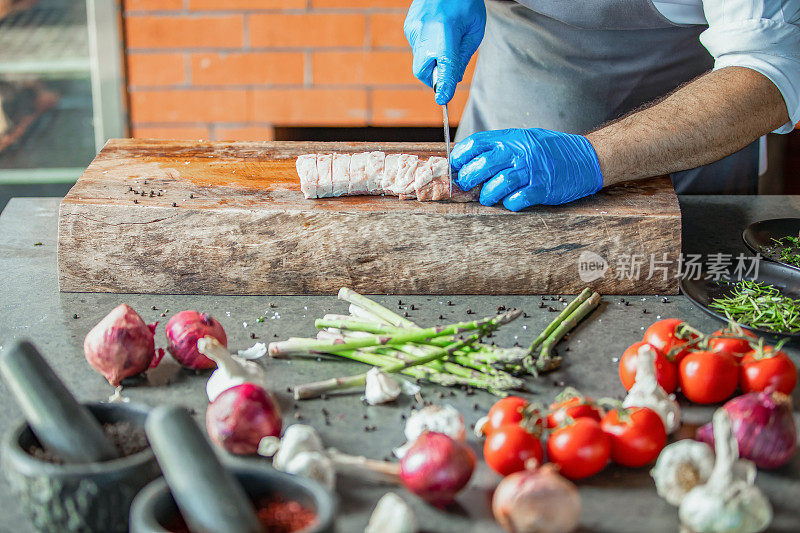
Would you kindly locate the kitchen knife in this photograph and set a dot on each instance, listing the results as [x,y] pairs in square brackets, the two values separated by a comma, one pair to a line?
[446,122]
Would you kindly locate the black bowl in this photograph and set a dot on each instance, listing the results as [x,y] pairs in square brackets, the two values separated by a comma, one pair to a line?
[787,280]
[79,496]
[154,507]
[758,236]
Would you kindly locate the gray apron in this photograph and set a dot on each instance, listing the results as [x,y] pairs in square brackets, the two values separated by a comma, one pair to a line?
[571,65]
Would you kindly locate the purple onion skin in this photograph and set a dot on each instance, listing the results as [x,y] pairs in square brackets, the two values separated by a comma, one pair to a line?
[241,416]
[764,427]
[436,467]
[121,345]
[184,330]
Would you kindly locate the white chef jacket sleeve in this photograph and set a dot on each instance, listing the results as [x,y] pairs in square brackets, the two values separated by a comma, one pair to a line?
[763,35]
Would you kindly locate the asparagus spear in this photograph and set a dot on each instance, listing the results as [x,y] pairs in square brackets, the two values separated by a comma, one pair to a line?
[545,361]
[364,309]
[582,297]
[312,390]
[315,346]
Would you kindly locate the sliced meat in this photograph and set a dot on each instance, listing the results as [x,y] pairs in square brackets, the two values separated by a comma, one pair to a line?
[471,195]
[374,171]
[341,174]
[404,182]
[306,166]
[432,183]
[390,171]
[358,173]
[325,170]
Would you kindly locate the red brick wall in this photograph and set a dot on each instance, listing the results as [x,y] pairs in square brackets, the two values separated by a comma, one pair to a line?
[234,69]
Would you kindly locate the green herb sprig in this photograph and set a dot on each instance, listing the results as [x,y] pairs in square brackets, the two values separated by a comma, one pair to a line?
[759,305]
[785,249]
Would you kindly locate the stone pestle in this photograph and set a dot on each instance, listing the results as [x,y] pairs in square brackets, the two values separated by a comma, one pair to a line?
[209,497]
[60,423]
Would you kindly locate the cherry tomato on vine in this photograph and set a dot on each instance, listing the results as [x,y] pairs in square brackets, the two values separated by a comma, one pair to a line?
[737,347]
[569,406]
[664,336]
[581,449]
[666,371]
[709,377]
[509,447]
[510,410]
[758,371]
[637,435]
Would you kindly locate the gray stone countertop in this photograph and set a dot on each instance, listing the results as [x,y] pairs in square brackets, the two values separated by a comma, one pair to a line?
[617,499]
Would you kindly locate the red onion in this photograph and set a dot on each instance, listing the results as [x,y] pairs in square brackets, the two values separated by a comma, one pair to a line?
[121,345]
[537,501]
[436,467]
[763,425]
[184,329]
[241,416]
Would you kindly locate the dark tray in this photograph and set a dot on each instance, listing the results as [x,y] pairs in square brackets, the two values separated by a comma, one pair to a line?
[758,236]
[784,278]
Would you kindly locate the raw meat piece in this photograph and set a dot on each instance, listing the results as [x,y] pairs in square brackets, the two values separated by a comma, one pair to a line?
[390,171]
[306,166]
[325,171]
[358,173]
[404,182]
[431,181]
[374,170]
[341,174]
[403,175]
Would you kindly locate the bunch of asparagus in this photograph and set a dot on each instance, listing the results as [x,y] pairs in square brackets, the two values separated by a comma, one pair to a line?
[377,336]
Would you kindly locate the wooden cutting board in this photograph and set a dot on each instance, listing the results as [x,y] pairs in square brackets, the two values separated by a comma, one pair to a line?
[229,218]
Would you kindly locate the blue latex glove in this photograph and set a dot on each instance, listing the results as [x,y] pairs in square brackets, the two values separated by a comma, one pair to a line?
[444,33]
[524,167]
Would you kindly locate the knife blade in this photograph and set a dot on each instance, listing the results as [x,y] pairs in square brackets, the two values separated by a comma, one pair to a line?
[446,123]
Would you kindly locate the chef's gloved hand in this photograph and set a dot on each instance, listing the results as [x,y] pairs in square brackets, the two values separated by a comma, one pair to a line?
[444,33]
[524,167]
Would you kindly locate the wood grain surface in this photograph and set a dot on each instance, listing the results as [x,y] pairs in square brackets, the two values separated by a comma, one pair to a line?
[240,225]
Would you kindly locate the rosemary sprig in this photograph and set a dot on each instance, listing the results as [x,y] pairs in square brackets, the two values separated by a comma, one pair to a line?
[785,249]
[759,305]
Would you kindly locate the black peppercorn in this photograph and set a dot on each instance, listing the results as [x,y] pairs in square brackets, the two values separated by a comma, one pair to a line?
[174,204]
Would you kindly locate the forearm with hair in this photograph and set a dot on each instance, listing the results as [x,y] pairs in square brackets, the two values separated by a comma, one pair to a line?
[703,121]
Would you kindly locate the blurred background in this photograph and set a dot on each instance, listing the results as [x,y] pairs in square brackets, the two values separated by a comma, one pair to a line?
[74,73]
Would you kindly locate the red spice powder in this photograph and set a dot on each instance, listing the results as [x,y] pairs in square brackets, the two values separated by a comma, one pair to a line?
[276,514]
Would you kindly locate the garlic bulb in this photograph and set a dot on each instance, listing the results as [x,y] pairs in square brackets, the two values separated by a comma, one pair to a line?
[680,467]
[392,515]
[646,392]
[440,419]
[300,452]
[725,504]
[315,465]
[297,438]
[231,371]
[380,387]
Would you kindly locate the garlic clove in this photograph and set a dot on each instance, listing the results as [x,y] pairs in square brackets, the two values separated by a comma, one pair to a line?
[438,418]
[315,465]
[380,387]
[256,351]
[392,515]
[297,439]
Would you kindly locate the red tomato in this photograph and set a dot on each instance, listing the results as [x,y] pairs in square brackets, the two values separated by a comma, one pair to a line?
[663,335]
[572,407]
[709,377]
[509,447]
[666,372]
[737,347]
[509,410]
[760,371]
[637,435]
[581,449]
